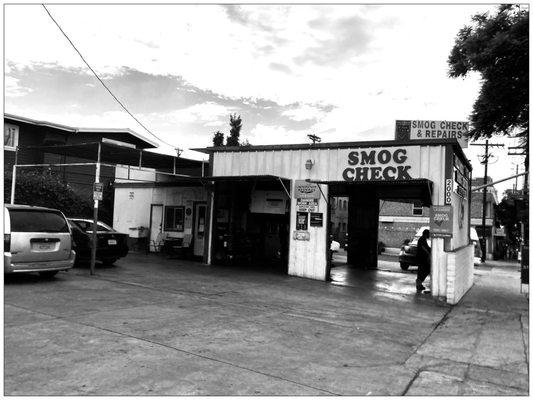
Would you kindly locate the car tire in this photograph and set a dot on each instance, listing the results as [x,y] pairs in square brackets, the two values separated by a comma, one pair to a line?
[48,274]
[404,266]
[109,261]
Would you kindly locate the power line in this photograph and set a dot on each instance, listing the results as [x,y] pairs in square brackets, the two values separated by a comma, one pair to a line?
[102,82]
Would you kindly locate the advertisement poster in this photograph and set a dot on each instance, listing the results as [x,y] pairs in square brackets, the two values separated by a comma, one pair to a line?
[317,219]
[441,221]
[302,221]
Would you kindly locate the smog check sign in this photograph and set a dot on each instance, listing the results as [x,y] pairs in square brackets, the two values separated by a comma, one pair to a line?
[381,164]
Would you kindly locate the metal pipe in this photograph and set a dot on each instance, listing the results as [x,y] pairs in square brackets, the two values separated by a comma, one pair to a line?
[14,176]
[501,180]
[105,165]
[95,213]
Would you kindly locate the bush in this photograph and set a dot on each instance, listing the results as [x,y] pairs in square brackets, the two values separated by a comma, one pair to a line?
[45,189]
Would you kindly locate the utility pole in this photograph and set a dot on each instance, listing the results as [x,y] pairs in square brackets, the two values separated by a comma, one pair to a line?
[484,209]
[524,232]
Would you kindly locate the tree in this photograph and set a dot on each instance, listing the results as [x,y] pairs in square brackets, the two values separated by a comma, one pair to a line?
[498,48]
[218,139]
[235,130]
[45,189]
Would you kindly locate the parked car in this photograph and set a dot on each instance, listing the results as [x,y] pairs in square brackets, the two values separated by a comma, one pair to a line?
[36,239]
[335,246]
[409,249]
[111,245]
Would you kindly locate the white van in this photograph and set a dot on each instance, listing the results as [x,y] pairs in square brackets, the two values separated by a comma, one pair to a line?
[36,239]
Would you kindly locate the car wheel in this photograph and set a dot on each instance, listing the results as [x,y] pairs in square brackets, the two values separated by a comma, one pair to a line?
[404,266]
[48,274]
[109,261]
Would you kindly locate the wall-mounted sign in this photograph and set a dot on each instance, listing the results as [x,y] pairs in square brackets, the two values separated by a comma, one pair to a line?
[98,191]
[306,190]
[448,188]
[427,130]
[441,221]
[460,177]
[499,231]
[302,221]
[381,164]
[301,235]
[307,205]
[317,219]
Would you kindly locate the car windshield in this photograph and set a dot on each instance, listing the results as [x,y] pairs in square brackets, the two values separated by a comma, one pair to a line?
[87,226]
[37,221]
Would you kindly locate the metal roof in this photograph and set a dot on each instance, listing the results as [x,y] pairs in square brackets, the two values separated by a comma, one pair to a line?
[71,129]
[116,154]
[340,145]
[242,178]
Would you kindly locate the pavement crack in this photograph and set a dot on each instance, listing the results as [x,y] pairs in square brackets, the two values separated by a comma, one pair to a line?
[437,325]
[524,340]
[410,383]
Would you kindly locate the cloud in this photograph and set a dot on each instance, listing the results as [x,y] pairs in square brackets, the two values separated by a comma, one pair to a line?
[244,17]
[345,38]
[280,67]
[14,89]
[170,106]
[306,112]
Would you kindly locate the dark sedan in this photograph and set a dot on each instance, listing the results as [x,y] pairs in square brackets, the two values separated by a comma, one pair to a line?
[111,245]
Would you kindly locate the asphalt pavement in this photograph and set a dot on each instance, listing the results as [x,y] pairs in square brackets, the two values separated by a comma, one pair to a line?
[156,326]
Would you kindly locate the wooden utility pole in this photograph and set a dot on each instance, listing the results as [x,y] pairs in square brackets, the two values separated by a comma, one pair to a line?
[484,211]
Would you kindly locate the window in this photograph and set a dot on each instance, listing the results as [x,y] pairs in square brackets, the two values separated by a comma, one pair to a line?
[37,221]
[174,218]
[344,226]
[417,209]
[11,137]
[345,204]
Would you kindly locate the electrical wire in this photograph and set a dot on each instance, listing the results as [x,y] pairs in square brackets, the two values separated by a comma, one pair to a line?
[102,82]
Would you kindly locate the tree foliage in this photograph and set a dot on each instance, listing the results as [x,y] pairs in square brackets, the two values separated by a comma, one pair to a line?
[497,46]
[235,123]
[218,139]
[45,189]
[234,135]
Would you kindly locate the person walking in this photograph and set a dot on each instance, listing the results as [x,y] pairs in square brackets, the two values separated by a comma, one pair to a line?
[423,256]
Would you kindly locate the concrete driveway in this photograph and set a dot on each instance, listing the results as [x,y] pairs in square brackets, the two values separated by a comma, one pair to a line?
[153,326]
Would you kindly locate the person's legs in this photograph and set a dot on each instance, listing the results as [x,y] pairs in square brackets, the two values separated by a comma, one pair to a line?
[423,272]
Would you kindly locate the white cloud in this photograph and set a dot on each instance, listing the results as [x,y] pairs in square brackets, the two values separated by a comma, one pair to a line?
[303,113]
[13,89]
[268,134]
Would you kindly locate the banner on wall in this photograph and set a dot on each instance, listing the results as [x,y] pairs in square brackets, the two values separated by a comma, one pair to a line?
[380,164]
[441,221]
[432,130]
[306,190]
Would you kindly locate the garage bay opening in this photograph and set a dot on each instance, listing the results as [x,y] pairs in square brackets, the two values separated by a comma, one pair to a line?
[371,226]
[251,222]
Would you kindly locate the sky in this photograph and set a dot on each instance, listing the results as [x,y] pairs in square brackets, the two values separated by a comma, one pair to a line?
[342,72]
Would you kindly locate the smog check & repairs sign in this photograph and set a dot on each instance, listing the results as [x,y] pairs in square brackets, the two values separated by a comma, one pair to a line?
[427,130]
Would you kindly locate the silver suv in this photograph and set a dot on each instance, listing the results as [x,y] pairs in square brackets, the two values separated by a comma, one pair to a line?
[36,239]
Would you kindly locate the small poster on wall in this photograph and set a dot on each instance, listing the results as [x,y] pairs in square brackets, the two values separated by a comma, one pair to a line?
[302,221]
[441,221]
[317,219]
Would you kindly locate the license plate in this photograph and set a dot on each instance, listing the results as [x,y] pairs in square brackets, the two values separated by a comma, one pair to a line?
[45,246]
[111,242]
